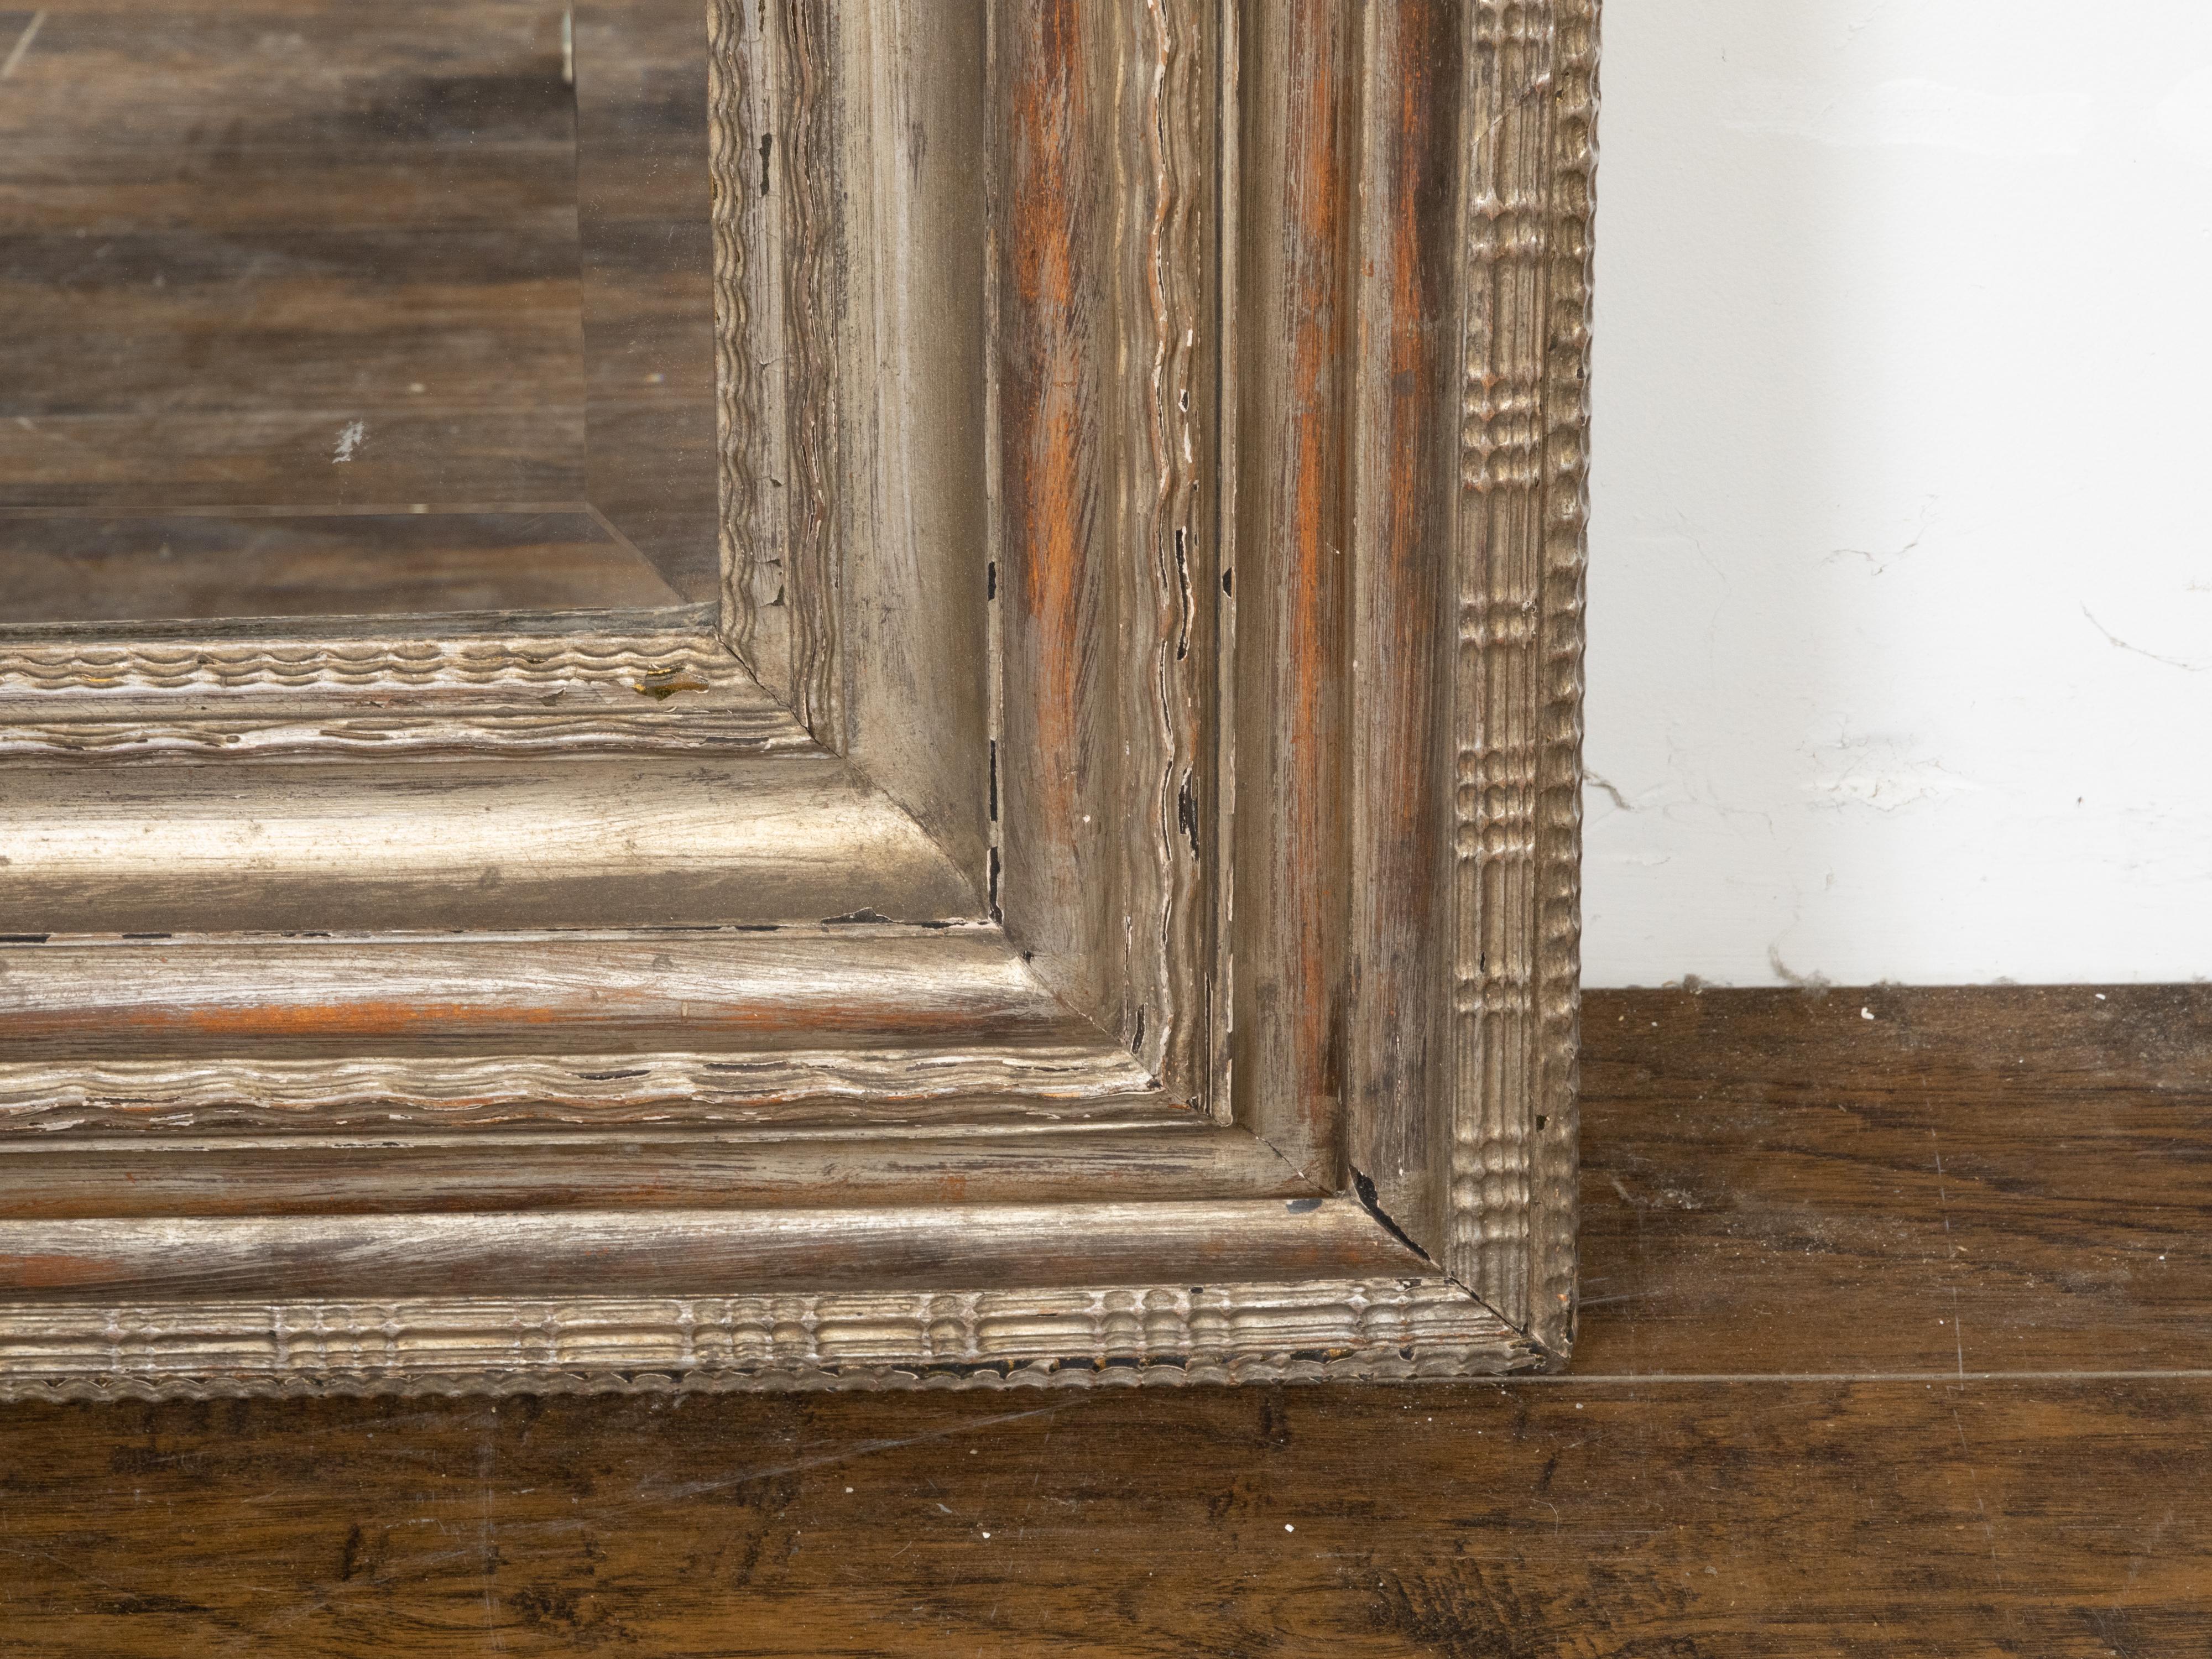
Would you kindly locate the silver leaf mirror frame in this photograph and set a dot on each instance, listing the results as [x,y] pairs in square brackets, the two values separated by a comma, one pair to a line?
[1096,902]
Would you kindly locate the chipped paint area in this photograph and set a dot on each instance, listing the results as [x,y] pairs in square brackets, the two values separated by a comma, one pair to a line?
[351,436]
[1885,773]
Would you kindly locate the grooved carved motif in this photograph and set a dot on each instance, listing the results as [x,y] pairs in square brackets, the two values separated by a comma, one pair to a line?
[751,727]
[1084,1337]
[809,348]
[1172,667]
[1517,684]
[466,663]
[574,1089]
[645,691]
[730,160]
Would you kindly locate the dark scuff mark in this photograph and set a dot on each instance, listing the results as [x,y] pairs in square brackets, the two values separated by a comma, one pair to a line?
[133,1605]
[1137,1043]
[1298,1206]
[1182,588]
[991,581]
[1228,581]
[864,915]
[995,779]
[997,914]
[768,148]
[1187,812]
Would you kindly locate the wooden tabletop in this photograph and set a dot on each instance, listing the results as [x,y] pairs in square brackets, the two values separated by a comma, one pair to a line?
[1896,1340]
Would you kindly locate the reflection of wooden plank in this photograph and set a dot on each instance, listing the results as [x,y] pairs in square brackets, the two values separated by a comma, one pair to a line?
[402,454]
[307,73]
[648,268]
[232,232]
[215,565]
[235,316]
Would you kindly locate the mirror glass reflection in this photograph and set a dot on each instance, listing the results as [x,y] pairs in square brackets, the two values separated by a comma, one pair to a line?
[325,309]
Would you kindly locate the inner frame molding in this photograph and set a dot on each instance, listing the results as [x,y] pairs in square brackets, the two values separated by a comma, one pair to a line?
[1186,571]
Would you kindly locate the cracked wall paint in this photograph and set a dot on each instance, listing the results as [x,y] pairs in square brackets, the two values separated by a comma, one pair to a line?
[1901,592]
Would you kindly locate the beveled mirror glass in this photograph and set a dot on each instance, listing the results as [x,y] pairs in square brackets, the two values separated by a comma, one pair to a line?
[319,309]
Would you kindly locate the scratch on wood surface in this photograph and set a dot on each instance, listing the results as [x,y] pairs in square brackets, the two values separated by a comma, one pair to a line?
[22,45]
[867,1448]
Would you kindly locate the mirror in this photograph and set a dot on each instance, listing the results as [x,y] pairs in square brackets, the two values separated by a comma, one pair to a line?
[314,308]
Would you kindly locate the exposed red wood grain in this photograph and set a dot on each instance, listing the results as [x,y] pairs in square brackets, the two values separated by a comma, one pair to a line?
[1292,898]
[298,998]
[1052,424]
[1062,815]
[1402,783]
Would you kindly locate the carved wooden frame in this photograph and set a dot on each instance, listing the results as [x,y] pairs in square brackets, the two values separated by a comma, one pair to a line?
[1096,904]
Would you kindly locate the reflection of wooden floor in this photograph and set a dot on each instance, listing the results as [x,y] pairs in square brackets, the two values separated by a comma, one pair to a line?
[1894,1342]
[326,257]
[211,564]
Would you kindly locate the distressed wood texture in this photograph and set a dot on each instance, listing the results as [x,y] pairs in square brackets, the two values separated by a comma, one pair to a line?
[331,1259]
[1106,313]
[1110,851]
[1407,900]
[848,161]
[1528,126]
[651,1166]
[856,1023]
[1407,366]
[1766,1447]
[507,844]
[1297,103]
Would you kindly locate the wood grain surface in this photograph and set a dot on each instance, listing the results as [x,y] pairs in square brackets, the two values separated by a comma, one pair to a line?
[1291,902]
[1768,1443]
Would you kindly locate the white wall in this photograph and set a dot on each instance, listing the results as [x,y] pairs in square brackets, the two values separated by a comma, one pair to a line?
[1901,585]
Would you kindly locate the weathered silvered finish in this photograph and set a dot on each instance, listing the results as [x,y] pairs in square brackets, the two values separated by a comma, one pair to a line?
[1529,132]
[1106,362]
[1099,901]
[1061,1336]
